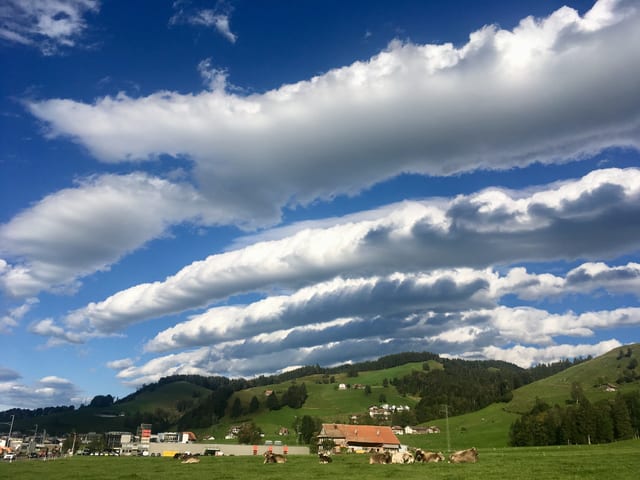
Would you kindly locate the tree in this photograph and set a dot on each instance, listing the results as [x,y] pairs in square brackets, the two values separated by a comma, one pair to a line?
[622,426]
[308,427]
[254,404]
[236,408]
[295,396]
[272,402]
[249,433]
[101,401]
[367,389]
[385,383]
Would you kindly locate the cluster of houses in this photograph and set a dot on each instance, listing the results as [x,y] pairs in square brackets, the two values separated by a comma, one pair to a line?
[385,410]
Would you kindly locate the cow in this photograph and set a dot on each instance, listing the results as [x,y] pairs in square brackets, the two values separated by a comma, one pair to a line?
[324,457]
[270,457]
[382,458]
[469,455]
[402,457]
[191,460]
[428,457]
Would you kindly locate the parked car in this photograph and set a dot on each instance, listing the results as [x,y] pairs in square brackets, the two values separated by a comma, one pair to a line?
[9,456]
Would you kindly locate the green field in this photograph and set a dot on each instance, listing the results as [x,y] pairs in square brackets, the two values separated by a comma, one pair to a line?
[621,460]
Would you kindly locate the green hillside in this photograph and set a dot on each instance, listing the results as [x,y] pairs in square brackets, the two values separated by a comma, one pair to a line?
[169,396]
[592,376]
[324,400]
[163,404]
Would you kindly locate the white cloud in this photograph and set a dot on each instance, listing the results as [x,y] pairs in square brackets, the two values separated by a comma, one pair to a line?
[46,392]
[486,333]
[526,357]
[568,220]
[9,321]
[515,97]
[392,296]
[49,25]
[120,364]
[206,17]
[77,231]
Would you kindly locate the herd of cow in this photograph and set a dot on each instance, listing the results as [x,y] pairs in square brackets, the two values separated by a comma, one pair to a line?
[469,455]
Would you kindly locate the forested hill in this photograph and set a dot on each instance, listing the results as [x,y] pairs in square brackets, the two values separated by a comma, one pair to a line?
[183,400]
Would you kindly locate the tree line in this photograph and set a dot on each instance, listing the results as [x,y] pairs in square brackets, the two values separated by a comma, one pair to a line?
[579,422]
[465,386]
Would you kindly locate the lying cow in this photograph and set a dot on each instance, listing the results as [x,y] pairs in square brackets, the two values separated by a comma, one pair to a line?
[383,458]
[324,458]
[270,457]
[428,457]
[402,457]
[469,455]
[191,460]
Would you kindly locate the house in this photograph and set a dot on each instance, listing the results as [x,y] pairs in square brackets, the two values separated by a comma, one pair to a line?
[421,430]
[358,437]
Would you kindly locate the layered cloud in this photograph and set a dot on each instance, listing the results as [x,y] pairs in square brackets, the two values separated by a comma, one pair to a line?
[78,231]
[49,25]
[570,220]
[505,98]
[304,346]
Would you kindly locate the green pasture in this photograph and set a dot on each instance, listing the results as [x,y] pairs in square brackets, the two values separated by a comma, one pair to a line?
[324,400]
[621,460]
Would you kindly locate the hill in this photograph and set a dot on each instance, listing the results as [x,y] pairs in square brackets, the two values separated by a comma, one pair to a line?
[497,392]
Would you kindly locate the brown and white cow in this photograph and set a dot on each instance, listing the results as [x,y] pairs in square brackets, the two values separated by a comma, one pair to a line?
[324,458]
[191,460]
[270,457]
[382,458]
[428,457]
[470,455]
[402,457]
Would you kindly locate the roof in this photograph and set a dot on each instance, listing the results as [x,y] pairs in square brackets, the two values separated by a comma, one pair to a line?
[360,434]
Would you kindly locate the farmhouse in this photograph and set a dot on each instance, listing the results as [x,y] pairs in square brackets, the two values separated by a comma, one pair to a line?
[358,437]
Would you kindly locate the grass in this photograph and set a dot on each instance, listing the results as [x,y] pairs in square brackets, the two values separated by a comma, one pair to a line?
[568,462]
[324,400]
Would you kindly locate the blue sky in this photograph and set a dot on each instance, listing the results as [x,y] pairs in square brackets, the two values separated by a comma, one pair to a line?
[238,188]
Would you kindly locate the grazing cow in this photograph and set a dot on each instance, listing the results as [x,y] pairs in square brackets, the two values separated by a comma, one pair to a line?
[324,458]
[402,457]
[382,458]
[428,457]
[270,457]
[469,455]
[191,460]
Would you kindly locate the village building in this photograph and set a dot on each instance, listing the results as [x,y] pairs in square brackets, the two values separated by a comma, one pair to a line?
[358,437]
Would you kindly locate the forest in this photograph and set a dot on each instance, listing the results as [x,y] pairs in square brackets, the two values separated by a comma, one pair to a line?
[579,421]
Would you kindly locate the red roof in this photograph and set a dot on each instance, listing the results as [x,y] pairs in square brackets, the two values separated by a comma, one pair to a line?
[360,434]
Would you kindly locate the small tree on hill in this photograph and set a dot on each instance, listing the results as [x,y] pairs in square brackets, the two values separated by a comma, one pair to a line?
[249,433]
[254,404]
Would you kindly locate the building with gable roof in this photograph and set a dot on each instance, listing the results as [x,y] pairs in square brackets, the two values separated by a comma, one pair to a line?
[358,437]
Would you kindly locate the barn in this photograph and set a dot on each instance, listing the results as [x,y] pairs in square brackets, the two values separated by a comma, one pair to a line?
[358,437]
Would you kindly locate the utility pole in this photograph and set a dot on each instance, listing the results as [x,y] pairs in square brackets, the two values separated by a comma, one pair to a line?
[446,413]
[10,429]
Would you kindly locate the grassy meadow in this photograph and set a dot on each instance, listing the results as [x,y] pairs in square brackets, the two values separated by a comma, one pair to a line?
[621,459]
